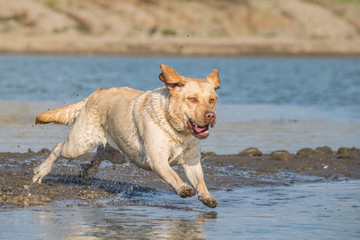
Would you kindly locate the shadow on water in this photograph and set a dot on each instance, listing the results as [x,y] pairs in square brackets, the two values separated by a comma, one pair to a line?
[127,190]
[127,193]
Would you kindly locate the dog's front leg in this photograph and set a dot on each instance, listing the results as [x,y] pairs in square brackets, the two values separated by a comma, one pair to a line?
[194,173]
[159,163]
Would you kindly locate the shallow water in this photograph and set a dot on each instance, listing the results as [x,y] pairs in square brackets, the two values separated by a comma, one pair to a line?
[268,127]
[239,126]
[302,211]
[269,103]
[244,80]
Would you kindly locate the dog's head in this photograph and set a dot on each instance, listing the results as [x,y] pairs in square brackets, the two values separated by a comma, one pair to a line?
[192,101]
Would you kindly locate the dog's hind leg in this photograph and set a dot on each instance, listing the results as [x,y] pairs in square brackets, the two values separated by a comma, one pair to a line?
[102,153]
[84,135]
[82,138]
[67,149]
[45,167]
[89,170]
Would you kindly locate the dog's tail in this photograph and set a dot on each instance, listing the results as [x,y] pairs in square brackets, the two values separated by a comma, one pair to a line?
[65,115]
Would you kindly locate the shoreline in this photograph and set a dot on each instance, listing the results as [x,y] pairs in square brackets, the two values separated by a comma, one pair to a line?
[183,48]
[250,168]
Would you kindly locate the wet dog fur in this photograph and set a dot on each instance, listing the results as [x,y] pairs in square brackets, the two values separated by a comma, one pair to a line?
[153,129]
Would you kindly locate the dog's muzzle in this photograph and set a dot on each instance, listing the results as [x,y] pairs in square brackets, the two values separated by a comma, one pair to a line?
[199,131]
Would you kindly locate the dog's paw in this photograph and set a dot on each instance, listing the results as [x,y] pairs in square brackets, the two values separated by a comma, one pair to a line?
[208,200]
[37,176]
[186,191]
[88,171]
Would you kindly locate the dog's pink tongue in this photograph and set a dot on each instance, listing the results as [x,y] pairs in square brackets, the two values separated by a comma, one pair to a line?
[199,129]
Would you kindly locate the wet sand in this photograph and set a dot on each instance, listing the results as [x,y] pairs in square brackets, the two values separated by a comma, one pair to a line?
[222,172]
[181,47]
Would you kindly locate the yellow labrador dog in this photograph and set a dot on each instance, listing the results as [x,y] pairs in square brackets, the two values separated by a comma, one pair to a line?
[154,129]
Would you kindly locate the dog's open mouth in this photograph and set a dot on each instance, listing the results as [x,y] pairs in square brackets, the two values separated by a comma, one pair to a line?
[198,131]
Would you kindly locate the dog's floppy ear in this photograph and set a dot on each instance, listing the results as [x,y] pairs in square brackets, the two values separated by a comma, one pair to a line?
[214,78]
[172,80]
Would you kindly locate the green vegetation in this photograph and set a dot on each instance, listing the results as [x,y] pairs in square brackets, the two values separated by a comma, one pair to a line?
[137,28]
[6,28]
[345,1]
[52,3]
[61,30]
[318,37]
[169,32]
[270,34]
[332,1]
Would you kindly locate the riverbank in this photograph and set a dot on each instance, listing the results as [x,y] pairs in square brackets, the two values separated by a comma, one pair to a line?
[179,47]
[181,28]
[222,172]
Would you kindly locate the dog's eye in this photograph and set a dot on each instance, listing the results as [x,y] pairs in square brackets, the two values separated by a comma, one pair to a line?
[192,99]
[212,100]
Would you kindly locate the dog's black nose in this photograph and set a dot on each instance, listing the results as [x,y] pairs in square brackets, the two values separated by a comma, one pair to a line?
[210,117]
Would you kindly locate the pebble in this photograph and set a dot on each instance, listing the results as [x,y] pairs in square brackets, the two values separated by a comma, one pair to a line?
[323,151]
[305,152]
[208,154]
[281,155]
[45,198]
[30,150]
[345,152]
[251,152]
[44,151]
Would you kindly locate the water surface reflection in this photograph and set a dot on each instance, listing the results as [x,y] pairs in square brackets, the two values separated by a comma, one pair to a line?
[107,220]
[328,210]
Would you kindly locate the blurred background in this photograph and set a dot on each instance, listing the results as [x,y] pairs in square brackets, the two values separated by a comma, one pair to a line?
[289,69]
[196,27]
